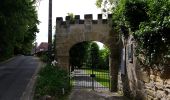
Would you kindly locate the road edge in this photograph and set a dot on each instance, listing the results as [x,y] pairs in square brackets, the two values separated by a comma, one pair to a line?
[5,61]
[28,93]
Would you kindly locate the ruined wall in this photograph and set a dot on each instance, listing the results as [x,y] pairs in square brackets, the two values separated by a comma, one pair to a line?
[141,84]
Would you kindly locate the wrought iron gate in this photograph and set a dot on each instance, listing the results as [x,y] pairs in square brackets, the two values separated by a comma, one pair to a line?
[90,78]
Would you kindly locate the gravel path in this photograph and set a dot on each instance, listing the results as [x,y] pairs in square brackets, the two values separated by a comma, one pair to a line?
[83,80]
[81,94]
[82,89]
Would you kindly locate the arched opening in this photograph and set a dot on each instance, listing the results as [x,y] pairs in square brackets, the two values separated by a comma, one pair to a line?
[89,65]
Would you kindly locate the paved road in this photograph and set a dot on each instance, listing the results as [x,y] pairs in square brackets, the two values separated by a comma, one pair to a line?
[15,75]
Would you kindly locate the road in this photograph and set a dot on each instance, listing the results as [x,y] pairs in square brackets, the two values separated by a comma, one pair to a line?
[15,75]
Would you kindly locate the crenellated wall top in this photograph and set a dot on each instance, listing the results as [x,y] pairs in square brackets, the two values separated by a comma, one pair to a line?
[87,18]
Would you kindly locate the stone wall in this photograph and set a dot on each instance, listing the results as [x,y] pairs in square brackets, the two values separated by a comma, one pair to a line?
[141,84]
[70,32]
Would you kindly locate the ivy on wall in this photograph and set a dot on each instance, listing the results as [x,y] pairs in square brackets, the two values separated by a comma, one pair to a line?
[149,23]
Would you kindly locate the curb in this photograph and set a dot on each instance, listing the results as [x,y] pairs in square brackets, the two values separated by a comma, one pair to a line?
[3,62]
[29,90]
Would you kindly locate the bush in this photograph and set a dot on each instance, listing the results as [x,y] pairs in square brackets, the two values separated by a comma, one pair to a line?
[43,56]
[51,81]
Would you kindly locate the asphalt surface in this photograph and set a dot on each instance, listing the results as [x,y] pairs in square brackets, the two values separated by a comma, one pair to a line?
[15,74]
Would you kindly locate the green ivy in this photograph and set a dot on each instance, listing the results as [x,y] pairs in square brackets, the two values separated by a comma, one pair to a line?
[149,23]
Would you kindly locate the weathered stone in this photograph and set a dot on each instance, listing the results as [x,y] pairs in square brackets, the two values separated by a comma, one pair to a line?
[152,77]
[164,98]
[160,86]
[158,79]
[168,81]
[140,85]
[160,94]
[168,97]
[167,91]
[150,97]
[141,95]
[145,77]
[77,33]
[167,86]
[150,85]
[150,93]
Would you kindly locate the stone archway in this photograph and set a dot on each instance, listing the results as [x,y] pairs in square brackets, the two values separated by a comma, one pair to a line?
[71,32]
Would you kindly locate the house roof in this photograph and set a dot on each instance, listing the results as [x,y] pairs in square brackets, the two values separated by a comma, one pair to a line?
[43,45]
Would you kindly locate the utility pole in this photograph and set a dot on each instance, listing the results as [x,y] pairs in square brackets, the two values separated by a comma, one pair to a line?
[50,31]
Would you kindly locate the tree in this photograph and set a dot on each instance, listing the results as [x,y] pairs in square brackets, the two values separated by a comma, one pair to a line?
[78,54]
[94,52]
[104,58]
[148,22]
[106,5]
[18,26]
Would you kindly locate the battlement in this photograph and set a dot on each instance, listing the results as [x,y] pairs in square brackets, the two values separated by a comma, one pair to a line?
[88,18]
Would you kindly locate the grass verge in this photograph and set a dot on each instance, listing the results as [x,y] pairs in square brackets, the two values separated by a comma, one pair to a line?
[52,81]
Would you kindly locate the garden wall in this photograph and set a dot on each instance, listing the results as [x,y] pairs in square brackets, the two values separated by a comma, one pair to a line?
[139,83]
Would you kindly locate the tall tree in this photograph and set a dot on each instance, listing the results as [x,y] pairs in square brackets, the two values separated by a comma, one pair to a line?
[94,52]
[104,58]
[18,26]
[78,54]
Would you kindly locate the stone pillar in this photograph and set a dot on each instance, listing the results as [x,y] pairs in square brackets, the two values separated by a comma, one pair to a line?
[88,22]
[110,20]
[77,19]
[114,67]
[114,62]
[100,19]
[62,55]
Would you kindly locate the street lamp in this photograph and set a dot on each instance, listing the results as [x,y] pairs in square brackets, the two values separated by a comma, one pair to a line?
[50,31]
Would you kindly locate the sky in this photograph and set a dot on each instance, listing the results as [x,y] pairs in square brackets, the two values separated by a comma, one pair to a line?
[60,9]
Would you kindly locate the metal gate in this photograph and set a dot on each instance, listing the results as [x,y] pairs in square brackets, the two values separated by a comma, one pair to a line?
[90,78]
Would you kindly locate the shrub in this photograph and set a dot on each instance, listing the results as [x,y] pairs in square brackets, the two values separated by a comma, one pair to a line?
[51,81]
[43,56]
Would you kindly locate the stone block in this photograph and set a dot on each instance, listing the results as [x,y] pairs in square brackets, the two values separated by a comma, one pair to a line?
[140,85]
[167,86]
[159,85]
[150,97]
[99,16]
[168,97]
[149,85]
[167,91]
[152,77]
[88,16]
[168,81]
[145,77]
[160,94]
[140,95]
[150,92]
[158,79]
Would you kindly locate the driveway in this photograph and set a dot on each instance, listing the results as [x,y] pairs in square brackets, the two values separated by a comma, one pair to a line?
[83,80]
